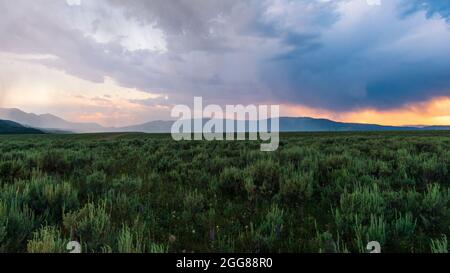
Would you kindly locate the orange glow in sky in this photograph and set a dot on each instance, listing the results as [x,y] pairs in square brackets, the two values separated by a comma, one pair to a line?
[432,112]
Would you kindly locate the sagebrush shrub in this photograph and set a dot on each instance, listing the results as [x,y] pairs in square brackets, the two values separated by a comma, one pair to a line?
[129,241]
[265,176]
[271,229]
[47,240]
[46,195]
[439,245]
[231,182]
[297,187]
[91,225]
[54,161]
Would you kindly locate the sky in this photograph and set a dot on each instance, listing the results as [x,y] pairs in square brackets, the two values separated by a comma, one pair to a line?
[120,62]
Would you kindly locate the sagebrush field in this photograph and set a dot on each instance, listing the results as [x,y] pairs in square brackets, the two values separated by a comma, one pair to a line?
[147,193]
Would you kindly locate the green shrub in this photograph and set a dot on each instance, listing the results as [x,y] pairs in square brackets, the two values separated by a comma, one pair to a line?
[158,248]
[434,207]
[129,241]
[17,223]
[91,224]
[231,182]
[127,185]
[96,184]
[13,170]
[3,223]
[55,162]
[265,176]
[377,230]
[439,245]
[270,230]
[46,195]
[324,243]
[297,187]
[47,240]
[404,225]
[364,201]
[194,203]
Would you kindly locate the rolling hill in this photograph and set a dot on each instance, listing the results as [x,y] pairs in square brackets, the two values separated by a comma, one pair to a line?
[305,124]
[159,126]
[10,127]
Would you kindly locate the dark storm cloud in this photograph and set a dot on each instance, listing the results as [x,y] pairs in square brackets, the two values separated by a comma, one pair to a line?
[222,44]
[383,60]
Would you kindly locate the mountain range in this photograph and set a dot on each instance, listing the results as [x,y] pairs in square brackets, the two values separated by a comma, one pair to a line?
[287,124]
[51,123]
[47,121]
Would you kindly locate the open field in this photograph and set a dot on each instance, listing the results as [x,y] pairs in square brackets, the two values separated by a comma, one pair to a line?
[147,193]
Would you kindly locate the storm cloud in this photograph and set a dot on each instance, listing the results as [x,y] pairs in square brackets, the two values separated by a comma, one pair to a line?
[338,55]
